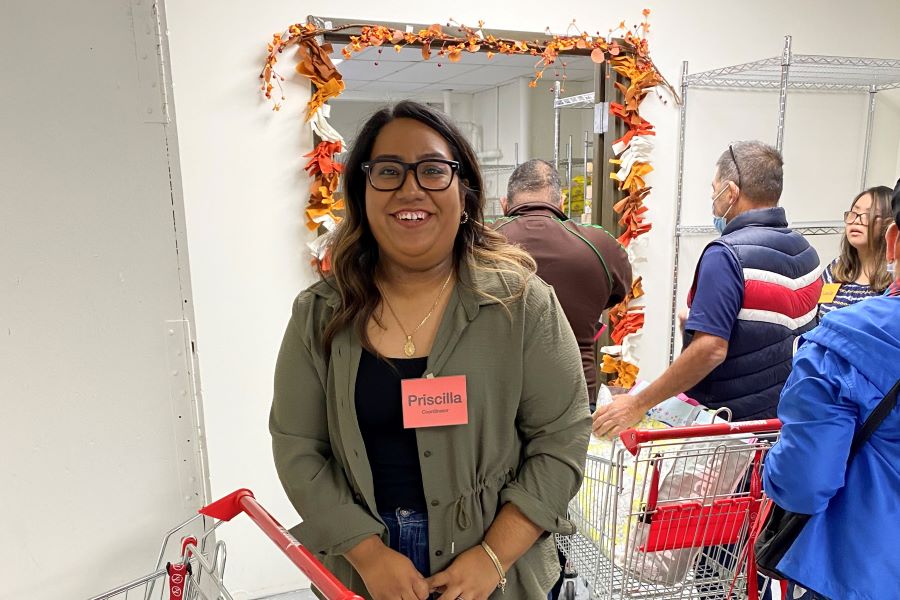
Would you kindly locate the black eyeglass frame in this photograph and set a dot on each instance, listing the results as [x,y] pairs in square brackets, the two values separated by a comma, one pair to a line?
[407,167]
[734,160]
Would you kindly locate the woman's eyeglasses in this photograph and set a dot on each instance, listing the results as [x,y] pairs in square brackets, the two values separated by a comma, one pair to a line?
[432,174]
[851,217]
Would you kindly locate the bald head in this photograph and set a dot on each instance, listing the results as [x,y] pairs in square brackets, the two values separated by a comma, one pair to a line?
[534,181]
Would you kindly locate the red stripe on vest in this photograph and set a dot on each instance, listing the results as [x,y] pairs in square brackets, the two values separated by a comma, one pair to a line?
[763,295]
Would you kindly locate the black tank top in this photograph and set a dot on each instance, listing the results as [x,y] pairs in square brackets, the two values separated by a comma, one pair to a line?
[392,450]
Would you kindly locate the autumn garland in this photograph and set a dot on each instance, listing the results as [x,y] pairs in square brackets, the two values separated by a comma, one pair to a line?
[630,59]
[633,151]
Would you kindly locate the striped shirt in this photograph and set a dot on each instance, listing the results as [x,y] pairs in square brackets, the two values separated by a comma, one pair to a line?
[849,293]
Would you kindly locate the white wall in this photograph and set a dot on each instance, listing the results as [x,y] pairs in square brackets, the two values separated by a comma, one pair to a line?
[245,190]
[97,451]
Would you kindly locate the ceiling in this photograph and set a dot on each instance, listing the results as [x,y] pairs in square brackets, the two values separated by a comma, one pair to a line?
[384,73]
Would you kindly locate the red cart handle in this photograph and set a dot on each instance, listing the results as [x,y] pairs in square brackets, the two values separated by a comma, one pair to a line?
[242,500]
[632,438]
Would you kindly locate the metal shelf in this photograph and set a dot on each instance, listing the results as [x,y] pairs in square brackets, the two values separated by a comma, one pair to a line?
[807,72]
[579,101]
[487,168]
[803,227]
[788,72]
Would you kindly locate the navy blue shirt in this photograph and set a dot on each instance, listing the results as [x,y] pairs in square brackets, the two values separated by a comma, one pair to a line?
[719,294]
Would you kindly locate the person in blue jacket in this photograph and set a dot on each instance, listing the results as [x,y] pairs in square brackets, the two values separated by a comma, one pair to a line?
[850,547]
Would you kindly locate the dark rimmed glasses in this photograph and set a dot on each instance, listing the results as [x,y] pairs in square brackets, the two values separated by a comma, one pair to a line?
[851,217]
[734,160]
[432,174]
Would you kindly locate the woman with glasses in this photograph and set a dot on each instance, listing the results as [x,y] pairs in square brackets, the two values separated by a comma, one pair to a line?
[860,271]
[430,418]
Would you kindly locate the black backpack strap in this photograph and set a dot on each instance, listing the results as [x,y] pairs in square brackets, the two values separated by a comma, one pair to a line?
[874,420]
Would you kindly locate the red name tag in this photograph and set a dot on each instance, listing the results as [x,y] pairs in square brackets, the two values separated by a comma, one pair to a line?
[434,402]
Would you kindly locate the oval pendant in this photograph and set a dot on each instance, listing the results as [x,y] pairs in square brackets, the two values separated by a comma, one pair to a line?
[409,348]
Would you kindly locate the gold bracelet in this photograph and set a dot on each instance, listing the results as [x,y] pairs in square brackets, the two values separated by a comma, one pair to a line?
[499,567]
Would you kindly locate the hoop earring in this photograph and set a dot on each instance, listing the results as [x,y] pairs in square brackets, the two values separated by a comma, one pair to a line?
[464,219]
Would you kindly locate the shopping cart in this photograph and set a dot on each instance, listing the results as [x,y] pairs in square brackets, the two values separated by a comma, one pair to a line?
[670,513]
[199,570]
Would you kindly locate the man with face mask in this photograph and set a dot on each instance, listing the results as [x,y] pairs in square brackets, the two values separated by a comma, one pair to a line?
[755,290]
[843,370]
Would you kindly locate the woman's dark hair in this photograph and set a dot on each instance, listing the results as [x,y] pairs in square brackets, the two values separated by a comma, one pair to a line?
[354,251]
[849,266]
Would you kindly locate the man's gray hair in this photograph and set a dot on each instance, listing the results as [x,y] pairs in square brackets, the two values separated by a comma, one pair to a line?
[532,176]
[759,171]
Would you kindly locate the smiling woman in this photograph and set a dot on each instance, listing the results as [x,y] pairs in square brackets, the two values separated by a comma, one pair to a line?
[424,301]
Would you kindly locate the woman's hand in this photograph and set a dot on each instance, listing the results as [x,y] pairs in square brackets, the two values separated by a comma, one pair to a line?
[472,576]
[388,575]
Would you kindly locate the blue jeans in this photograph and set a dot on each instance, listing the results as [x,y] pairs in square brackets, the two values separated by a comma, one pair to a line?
[798,595]
[408,533]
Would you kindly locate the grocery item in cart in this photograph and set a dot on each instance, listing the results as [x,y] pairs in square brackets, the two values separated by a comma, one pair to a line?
[613,500]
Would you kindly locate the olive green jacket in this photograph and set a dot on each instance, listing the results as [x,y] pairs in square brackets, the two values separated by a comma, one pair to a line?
[525,442]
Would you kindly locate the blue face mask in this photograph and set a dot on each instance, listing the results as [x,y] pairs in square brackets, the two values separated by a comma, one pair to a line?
[720,222]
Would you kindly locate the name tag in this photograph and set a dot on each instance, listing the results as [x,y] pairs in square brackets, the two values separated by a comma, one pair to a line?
[829,291]
[434,401]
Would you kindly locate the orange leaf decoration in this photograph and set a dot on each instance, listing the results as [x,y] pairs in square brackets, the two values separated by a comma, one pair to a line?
[626,373]
[631,323]
[637,288]
[315,62]
[628,57]
[322,159]
[328,90]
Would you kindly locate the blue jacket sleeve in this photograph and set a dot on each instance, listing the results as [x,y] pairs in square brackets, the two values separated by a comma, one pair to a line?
[806,468]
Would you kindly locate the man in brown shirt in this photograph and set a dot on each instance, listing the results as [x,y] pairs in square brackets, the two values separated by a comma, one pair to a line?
[586,266]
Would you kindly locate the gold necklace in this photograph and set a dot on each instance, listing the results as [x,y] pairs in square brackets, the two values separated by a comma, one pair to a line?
[409,348]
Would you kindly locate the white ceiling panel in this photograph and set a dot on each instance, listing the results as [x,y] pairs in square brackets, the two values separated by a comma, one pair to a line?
[385,72]
[388,86]
[352,85]
[367,70]
[490,75]
[462,87]
[429,71]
